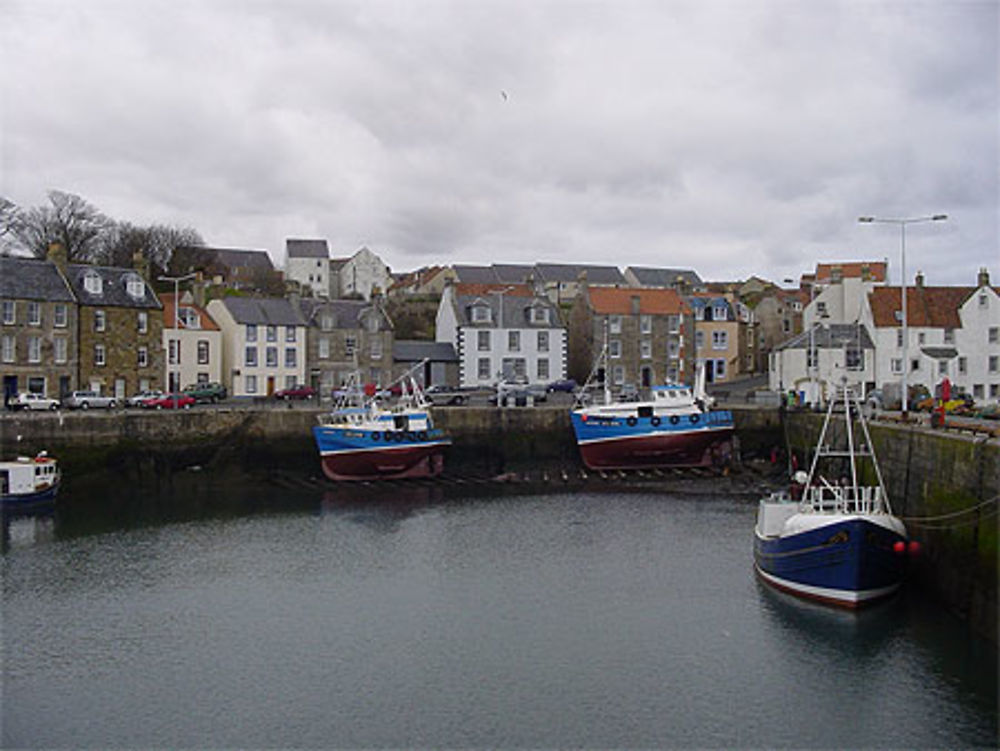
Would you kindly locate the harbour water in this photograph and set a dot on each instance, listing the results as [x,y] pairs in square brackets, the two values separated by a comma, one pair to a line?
[312,617]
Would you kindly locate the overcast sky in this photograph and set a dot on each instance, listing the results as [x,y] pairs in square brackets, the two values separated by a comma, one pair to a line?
[735,138]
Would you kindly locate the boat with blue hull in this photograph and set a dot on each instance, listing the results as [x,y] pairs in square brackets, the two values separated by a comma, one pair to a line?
[363,440]
[831,537]
[675,427]
[28,483]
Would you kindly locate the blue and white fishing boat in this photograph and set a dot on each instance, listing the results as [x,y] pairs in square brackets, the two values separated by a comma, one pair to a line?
[28,482]
[362,439]
[833,538]
[675,427]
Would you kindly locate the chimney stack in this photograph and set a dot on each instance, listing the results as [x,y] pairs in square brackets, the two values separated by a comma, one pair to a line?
[56,254]
[140,264]
[920,280]
[983,280]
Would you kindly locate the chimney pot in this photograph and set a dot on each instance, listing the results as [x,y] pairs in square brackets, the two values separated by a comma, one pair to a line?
[984,277]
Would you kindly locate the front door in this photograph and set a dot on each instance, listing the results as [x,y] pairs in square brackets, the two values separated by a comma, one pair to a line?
[9,388]
[270,385]
[709,371]
[646,376]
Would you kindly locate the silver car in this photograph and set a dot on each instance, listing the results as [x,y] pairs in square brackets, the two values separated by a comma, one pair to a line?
[88,400]
[28,400]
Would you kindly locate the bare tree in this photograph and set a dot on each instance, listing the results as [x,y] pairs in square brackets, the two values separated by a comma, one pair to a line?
[9,217]
[69,220]
[156,242]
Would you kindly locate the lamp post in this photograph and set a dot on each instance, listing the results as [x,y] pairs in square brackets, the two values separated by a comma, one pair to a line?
[500,293]
[176,280]
[902,269]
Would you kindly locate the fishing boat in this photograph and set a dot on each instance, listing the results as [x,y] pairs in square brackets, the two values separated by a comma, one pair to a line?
[675,427]
[362,438]
[831,537]
[27,482]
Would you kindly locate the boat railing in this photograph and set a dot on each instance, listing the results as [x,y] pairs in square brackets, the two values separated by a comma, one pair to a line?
[843,499]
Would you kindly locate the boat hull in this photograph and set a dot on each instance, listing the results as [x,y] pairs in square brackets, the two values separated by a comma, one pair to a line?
[611,444]
[20,501]
[348,454]
[848,562]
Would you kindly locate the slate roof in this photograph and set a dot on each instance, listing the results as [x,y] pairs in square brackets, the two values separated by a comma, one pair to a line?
[874,271]
[263,311]
[306,249]
[926,307]
[32,279]
[347,313]
[609,300]
[475,274]
[834,336]
[515,306]
[513,273]
[114,287]
[250,259]
[412,350]
[570,272]
[654,277]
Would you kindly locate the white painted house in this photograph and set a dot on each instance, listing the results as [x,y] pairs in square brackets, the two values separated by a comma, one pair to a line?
[359,275]
[192,341]
[264,344]
[502,331]
[953,332]
[307,262]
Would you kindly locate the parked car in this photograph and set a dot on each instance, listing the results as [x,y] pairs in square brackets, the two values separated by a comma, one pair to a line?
[89,400]
[33,402]
[446,395]
[143,396]
[296,392]
[178,400]
[567,385]
[206,392]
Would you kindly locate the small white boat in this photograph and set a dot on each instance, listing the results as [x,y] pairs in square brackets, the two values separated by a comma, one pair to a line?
[27,482]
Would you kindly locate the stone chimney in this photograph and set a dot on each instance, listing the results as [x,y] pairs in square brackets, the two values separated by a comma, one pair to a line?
[636,304]
[140,264]
[198,289]
[920,280]
[56,254]
[983,280]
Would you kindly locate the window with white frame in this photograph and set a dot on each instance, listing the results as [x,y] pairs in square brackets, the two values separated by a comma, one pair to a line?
[922,338]
[290,334]
[251,332]
[645,349]
[854,359]
[673,324]
[323,346]
[720,340]
[271,332]
[992,365]
[483,341]
[812,357]
[949,336]
[543,369]
[100,320]
[142,321]
[539,315]
[942,367]
[984,301]
[480,313]
[203,351]
[291,357]
[60,349]
[977,390]
[7,350]
[326,322]
[614,348]
[173,352]
[376,348]
[483,368]
[673,348]
[615,324]
[135,287]
[9,312]
[99,355]
[250,357]
[271,357]
[350,344]
[251,384]
[618,375]
[993,334]
[514,341]
[543,341]
[142,357]
[963,365]
[34,313]
[645,324]
[34,349]
[699,339]
[720,369]
[92,283]
[720,313]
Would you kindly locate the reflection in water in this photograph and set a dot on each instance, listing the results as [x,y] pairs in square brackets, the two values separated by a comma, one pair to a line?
[27,529]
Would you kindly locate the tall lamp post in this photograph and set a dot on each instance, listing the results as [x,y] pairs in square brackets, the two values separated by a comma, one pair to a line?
[176,280]
[902,269]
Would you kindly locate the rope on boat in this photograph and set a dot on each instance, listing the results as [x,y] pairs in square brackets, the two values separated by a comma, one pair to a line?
[935,522]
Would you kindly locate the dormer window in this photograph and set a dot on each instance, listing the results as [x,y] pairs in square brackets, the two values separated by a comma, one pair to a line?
[480,313]
[539,315]
[721,313]
[135,287]
[92,283]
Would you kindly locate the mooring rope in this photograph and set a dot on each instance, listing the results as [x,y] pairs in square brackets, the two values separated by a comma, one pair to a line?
[935,521]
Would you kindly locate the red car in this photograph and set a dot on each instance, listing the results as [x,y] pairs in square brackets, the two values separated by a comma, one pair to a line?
[296,392]
[170,401]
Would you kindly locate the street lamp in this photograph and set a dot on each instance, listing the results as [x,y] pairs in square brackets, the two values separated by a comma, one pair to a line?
[176,280]
[902,268]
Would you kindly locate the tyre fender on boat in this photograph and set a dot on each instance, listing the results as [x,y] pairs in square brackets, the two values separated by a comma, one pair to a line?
[654,421]
[694,419]
[375,435]
[631,421]
[674,419]
[422,435]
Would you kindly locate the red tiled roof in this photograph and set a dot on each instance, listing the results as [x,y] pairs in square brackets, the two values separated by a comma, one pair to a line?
[926,307]
[207,322]
[609,300]
[871,270]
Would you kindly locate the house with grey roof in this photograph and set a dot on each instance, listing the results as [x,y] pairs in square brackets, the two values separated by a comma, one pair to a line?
[263,344]
[502,332]
[435,363]
[344,338]
[307,263]
[561,281]
[38,328]
[362,275]
[235,268]
[815,362]
[683,280]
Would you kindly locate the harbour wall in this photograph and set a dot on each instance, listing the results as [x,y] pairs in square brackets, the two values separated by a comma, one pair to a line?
[941,483]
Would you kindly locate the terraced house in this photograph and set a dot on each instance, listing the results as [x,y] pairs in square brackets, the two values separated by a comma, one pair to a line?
[38,329]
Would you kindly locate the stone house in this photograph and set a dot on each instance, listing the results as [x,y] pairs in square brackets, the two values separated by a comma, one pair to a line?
[344,337]
[38,328]
[648,334]
[307,263]
[361,274]
[119,330]
[500,332]
[263,344]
